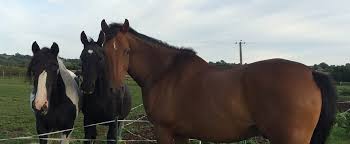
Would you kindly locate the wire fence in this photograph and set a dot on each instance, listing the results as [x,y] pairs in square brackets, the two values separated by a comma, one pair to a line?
[123,127]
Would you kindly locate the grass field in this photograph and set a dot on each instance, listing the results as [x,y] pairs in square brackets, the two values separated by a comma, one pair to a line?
[17,119]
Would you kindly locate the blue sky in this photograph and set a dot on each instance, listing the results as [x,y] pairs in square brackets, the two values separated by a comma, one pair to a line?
[309,32]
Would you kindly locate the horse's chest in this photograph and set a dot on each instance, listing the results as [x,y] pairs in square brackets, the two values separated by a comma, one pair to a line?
[99,108]
[62,116]
[161,105]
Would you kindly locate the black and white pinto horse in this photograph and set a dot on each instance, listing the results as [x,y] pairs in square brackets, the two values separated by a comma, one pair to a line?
[55,94]
[100,104]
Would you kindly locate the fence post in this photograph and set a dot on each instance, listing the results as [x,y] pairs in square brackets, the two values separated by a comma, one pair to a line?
[118,130]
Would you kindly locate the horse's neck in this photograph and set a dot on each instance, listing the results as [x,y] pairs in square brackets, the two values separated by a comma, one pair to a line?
[148,64]
[147,61]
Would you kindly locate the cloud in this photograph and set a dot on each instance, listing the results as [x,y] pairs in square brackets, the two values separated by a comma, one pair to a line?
[273,28]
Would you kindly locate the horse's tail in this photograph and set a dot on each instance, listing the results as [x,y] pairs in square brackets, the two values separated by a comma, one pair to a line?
[328,110]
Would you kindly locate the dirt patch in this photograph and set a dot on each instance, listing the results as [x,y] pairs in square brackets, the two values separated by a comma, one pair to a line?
[139,131]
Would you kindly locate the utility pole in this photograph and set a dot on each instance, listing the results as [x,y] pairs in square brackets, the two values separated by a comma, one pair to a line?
[240,43]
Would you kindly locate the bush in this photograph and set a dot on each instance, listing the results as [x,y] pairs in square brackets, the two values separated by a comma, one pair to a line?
[343,121]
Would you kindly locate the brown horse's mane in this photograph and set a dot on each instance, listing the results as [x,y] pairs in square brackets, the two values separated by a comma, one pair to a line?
[115,27]
[183,55]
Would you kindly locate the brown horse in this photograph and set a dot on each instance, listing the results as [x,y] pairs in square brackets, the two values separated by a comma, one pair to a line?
[185,97]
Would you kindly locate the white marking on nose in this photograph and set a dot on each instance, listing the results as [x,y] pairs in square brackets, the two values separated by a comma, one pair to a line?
[90,51]
[115,46]
[41,93]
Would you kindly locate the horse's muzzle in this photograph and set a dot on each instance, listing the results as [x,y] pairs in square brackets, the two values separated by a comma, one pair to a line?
[43,110]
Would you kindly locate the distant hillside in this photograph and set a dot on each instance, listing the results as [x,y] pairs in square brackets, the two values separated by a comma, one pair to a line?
[19,60]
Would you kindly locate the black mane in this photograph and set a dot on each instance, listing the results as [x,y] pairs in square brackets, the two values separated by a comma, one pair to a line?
[115,28]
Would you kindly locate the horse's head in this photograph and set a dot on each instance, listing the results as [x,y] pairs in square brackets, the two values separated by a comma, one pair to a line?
[116,48]
[43,69]
[92,60]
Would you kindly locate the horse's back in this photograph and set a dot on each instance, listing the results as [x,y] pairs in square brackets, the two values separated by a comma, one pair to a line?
[282,97]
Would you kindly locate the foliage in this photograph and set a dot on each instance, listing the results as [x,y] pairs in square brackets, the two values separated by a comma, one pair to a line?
[343,121]
[343,90]
[15,65]
[223,64]
[72,64]
[340,73]
[17,60]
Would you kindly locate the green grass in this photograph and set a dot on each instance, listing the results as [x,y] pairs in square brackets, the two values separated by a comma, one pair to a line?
[17,119]
[339,136]
[344,90]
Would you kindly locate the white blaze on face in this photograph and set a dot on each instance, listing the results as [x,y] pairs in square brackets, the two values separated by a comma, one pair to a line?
[41,93]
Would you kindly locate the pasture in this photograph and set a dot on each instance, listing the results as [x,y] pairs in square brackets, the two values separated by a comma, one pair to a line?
[16,118]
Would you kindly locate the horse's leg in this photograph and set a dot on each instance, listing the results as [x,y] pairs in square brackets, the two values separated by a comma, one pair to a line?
[111,135]
[164,135]
[181,140]
[90,132]
[41,130]
[119,129]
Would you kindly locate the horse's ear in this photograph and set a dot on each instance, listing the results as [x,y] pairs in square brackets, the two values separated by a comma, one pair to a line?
[35,47]
[54,49]
[104,26]
[125,27]
[83,38]
[101,38]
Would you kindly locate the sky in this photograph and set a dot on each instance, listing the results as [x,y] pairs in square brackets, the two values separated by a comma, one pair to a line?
[309,32]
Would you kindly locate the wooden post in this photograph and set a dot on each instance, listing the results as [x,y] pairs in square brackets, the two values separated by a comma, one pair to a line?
[240,51]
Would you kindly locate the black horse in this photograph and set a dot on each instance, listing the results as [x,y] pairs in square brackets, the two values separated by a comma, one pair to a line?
[55,95]
[99,102]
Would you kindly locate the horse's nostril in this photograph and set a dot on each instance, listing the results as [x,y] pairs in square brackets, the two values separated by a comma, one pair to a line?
[44,109]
